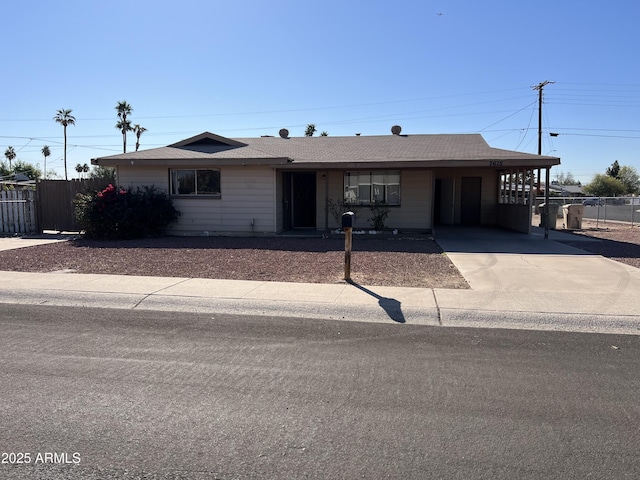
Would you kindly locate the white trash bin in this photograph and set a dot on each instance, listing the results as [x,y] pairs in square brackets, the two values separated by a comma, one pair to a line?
[572,215]
[552,208]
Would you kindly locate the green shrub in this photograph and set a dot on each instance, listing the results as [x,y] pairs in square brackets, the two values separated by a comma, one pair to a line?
[338,207]
[116,213]
[379,213]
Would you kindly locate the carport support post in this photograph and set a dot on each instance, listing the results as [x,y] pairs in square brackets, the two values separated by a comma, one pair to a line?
[546,202]
[347,253]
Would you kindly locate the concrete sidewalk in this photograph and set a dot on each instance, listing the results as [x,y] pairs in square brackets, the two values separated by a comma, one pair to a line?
[517,281]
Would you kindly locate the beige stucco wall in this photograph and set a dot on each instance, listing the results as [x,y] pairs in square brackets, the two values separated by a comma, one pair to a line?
[253,195]
[489,191]
[414,212]
[246,206]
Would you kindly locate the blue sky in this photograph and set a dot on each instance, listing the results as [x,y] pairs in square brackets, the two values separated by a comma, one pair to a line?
[248,68]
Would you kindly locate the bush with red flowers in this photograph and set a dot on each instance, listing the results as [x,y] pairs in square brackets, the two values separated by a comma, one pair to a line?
[117,213]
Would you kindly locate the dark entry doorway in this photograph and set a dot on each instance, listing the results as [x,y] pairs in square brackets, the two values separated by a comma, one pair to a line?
[443,202]
[299,200]
[471,200]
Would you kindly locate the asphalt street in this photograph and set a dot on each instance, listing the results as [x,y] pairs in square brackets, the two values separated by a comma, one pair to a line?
[159,395]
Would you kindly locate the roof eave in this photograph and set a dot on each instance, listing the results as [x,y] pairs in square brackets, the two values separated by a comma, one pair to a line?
[195,162]
[443,163]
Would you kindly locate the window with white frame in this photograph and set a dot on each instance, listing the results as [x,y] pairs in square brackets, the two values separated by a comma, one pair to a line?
[366,188]
[195,182]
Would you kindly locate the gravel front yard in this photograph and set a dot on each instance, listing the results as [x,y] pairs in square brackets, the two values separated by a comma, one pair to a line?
[416,261]
[394,261]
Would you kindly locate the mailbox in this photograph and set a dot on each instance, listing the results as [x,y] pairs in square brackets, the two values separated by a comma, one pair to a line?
[348,219]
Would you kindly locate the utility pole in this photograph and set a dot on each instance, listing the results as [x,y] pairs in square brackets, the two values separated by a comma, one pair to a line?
[539,87]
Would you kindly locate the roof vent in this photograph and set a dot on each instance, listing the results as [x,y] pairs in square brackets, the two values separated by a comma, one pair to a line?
[284,133]
[396,129]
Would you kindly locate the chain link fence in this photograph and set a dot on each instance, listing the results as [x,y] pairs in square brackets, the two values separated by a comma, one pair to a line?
[600,209]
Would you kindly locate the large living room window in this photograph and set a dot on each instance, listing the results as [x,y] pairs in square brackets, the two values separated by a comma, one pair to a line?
[195,182]
[366,188]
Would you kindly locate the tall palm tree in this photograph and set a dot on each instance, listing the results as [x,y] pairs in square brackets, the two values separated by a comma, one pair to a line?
[64,118]
[138,130]
[10,153]
[46,151]
[124,125]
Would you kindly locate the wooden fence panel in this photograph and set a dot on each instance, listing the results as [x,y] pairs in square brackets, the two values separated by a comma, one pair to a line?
[55,201]
[18,211]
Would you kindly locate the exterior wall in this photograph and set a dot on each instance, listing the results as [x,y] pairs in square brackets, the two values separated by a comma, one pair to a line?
[489,192]
[252,197]
[515,217]
[489,211]
[414,212]
[279,202]
[246,205]
[135,176]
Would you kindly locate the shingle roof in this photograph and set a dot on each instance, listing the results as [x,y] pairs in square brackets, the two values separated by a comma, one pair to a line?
[409,150]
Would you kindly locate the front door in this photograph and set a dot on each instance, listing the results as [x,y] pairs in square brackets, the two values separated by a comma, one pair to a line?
[471,200]
[444,202]
[300,198]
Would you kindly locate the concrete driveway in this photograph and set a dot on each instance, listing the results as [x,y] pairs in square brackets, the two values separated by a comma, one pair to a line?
[494,259]
[510,271]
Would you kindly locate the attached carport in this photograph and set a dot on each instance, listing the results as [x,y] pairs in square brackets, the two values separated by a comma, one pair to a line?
[490,192]
[517,189]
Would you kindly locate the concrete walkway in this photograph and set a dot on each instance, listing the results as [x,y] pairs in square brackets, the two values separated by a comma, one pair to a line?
[11,243]
[517,281]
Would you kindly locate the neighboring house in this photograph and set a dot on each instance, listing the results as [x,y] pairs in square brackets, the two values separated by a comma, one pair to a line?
[19,181]
[565,190]
[269,185]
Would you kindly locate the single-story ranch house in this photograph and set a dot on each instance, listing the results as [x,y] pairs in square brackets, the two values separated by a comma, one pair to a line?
[270,185]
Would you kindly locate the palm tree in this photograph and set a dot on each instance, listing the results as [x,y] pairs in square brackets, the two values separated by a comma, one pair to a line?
[82,169]
[138,130]
[10,153]
[45,152]
[64,118]
[310,130]
[124,125]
